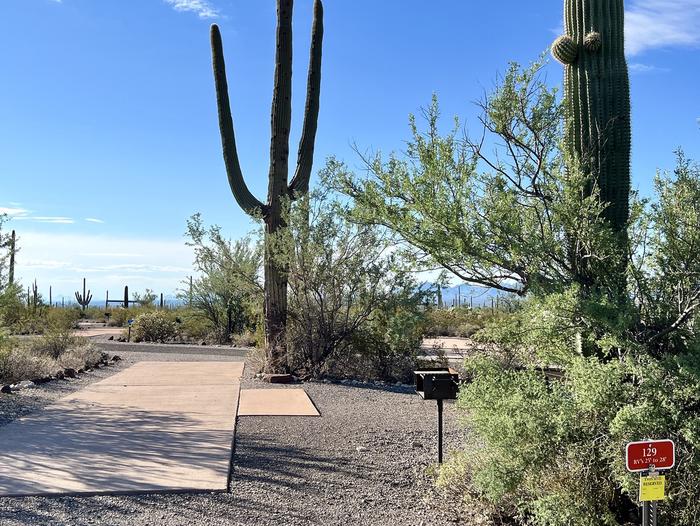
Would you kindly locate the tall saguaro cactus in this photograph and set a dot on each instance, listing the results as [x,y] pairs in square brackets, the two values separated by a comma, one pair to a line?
[597,97]
[280,192]
[597,101]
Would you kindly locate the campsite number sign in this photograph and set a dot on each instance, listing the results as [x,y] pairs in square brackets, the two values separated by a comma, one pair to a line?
[656,454]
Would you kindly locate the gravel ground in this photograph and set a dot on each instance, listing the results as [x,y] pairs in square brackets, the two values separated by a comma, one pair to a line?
[363,462]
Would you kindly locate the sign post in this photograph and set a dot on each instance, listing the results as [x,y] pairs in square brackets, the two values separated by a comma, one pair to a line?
[648,457]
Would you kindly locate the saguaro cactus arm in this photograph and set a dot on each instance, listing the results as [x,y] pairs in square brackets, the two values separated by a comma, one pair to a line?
[246,200]
[302,175]
[281,117]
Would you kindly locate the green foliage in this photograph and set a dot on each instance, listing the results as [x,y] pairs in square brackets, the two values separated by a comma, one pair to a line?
[540,449]
[66,319]
[500,221]
[353,309]
[390,342]
[11,306]
[227,293]
[53,343]
[665,269]
[121,316]
[154,326]
[146,300]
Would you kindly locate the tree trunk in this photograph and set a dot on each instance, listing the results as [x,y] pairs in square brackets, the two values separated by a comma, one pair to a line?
[276,277]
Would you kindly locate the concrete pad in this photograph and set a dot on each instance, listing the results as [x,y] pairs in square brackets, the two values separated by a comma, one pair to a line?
[276,402]
[176,374]
[118,437]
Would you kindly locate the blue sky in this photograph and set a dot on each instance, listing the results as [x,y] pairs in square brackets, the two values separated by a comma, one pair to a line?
[108,130]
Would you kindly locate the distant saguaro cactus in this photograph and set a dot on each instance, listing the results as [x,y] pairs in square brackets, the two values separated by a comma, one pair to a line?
[597,101]
[280,192]
[34,298]
[13,244]
[126,296]
[83,299]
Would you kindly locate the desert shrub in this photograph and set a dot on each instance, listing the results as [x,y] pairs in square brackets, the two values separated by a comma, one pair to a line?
[82,354]
[120,316]
[53,343]
[93,312]
[227,293]
[353,311]
[519,419]
[22,363]
[552,452]
[62,318]
[155,326]
[245,339]
[194,326]
[11,306]
[27,361]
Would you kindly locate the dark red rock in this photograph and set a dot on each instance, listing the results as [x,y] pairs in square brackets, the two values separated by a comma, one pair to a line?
[278,378]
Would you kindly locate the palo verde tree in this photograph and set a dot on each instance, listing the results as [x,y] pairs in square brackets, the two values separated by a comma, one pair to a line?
[280,193]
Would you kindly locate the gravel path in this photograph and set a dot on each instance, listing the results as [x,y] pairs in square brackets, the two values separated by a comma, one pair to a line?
[362,462]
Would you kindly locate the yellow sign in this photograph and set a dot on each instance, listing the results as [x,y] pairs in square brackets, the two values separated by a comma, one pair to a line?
[652,488]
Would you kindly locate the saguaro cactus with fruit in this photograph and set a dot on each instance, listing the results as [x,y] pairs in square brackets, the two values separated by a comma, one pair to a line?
[597,102]
[280,192]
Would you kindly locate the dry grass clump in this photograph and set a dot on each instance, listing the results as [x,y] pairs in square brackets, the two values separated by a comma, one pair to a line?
[44,356]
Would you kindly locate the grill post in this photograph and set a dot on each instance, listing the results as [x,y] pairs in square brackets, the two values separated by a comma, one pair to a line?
[439,405]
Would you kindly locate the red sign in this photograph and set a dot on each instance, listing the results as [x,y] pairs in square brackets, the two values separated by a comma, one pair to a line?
[658,453]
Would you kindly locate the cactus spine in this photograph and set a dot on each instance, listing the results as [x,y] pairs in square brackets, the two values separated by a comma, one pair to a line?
[597,103]
[83,299]
[280,192]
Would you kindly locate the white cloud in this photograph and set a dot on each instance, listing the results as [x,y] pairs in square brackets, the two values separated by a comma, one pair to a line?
[110,255]
[24,214]
[14,212]
[653,24]
[93,220]
[202,8]
[639,67]
[61,220]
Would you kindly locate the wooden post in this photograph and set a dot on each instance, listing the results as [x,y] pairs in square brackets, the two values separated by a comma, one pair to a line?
[50,297]
[161,301]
